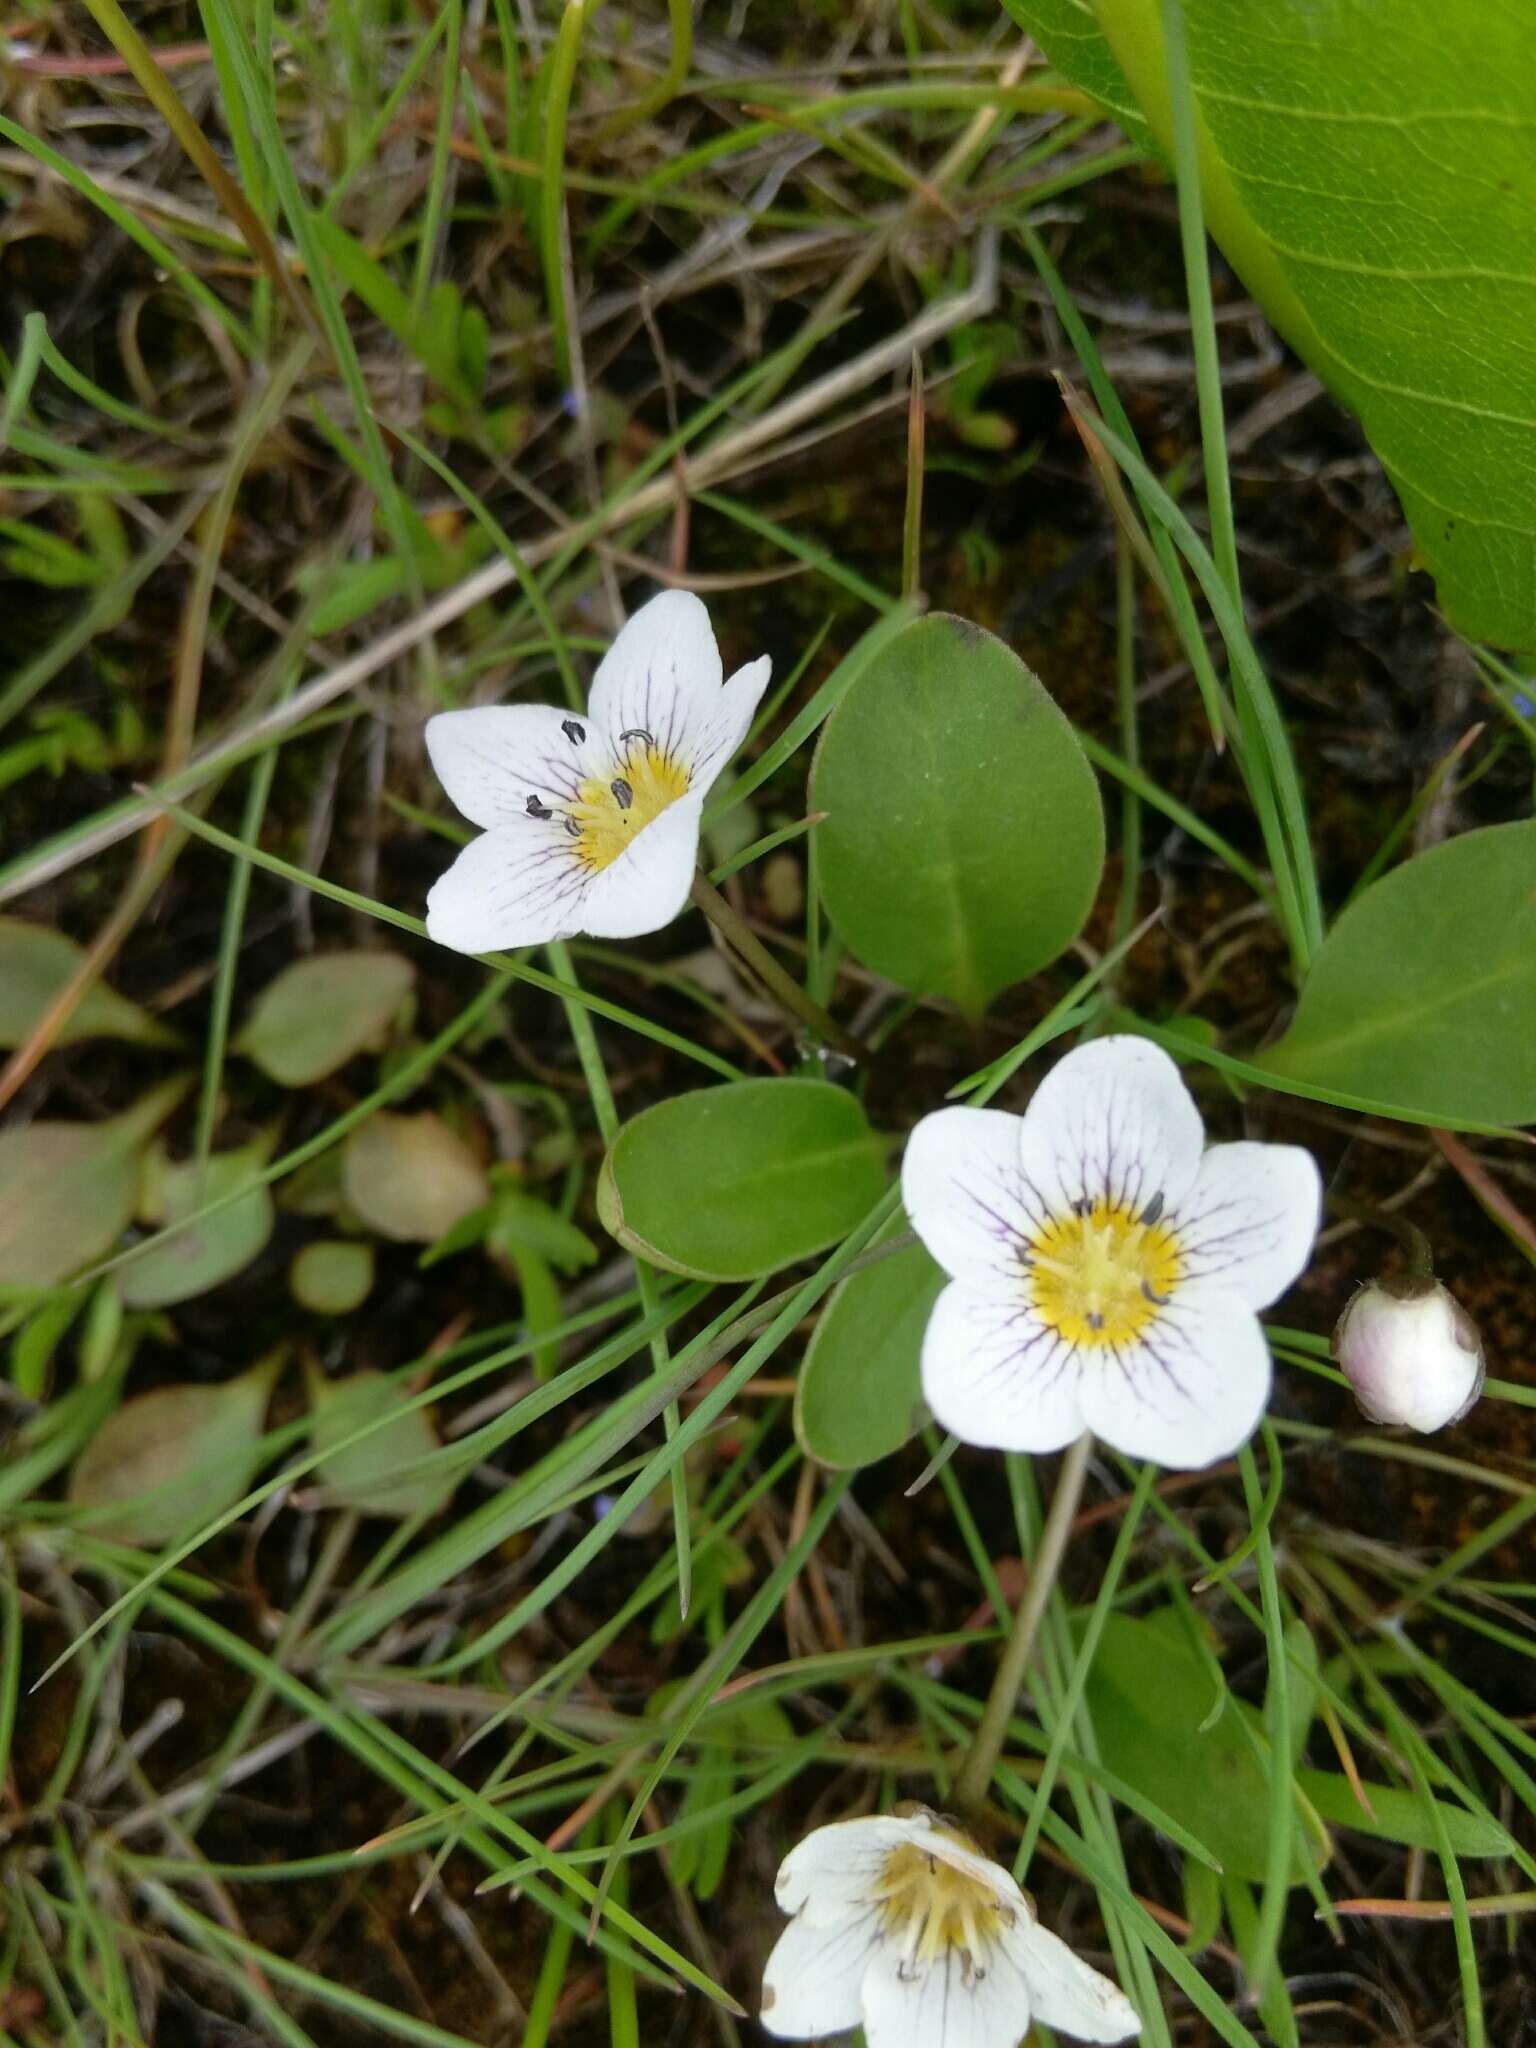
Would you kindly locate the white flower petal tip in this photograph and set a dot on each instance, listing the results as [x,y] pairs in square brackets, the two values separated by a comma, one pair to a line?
[1105,1268]
[903,1927]
[591,819]
[1411,1353]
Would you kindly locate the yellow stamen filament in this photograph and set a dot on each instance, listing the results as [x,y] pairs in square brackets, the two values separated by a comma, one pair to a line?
[1100,1278]
[607,816]
[934,1910]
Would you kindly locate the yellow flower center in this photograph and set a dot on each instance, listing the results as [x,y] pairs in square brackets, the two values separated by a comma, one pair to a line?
[1100,1277]
[932,1909]
[607,816]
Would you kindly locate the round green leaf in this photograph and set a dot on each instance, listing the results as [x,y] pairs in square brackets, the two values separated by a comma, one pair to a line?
[67,1191]
[321,1011]
[1424,993]
[373,1475]
[221,1245]
[410,1177]
[171,1460]
[35,963]
[964,837]
[860,1393]
[332,1277]
[731,1183]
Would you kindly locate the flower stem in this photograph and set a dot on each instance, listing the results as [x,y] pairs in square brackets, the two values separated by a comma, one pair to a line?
[786,992]
[1421,1264]
[987,1745]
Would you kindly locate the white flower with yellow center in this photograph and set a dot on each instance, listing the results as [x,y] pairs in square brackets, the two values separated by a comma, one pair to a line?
[591,821]
[903,1927]
[1105,1268]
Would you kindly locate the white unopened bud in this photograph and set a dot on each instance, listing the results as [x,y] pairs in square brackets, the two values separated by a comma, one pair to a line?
[1411,1353]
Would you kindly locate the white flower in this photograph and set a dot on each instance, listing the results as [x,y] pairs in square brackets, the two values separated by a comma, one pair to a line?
[591,822]
[903,1927]
[1105,1269]
[1411,1353]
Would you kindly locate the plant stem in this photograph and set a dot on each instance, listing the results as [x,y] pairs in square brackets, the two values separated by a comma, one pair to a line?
[1421,1264]
[987,1744]
[786,992]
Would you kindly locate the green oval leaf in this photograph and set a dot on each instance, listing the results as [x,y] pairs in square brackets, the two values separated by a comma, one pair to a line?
[320,1012]
[35,963]
[730,1183]
[410,1177]
[1424,993]
[860,1392]
[1399,270]
[174,1459]
[373,1476]
[68,1191]
[204,1254]
[333,1276]
[964,837]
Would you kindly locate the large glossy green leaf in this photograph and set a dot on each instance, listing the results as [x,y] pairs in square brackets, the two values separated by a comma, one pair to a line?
[173,1459]
[68,1191]
[319,1012]
[191,1261]
[860,1395]
[733,1182]
[1150,1693]
[35,963]
[1424,993]
[964,837]
[1368,171]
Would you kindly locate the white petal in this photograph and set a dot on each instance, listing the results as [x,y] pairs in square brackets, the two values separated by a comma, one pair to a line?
[517,886]
[814,1978]
[1064,1991]
[1112,1121]
[722,728]
[647,885]
[1251,1218]
[661,675]
[493,759]
[834,1871]
[943,2007]
[1190,1388]
[963,1185]
[994,1374]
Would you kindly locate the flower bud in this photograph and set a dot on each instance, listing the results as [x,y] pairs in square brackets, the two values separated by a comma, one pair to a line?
[1411,1353]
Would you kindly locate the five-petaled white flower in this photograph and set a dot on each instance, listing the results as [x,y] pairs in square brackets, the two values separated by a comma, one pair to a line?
[903,1927]
[591,823]
[1105,1269]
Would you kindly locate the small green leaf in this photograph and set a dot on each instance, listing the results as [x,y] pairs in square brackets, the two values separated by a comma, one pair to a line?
[860,1393]
[1424,993]
[1400,1815]
[1149,1694]
[332,1276]
[730,1183]
[174,1459]
[964,837]
[207,1253]
[320,1012]
[68,1191]
[35,963]
[373,1476]
[409,1177]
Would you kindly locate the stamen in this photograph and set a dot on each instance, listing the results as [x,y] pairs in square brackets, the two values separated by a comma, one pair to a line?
[1099,1275]
[573,731]
[636,732]
[1153,1210]
[623,795]
[538,810]
[1157,1300]
[573,826]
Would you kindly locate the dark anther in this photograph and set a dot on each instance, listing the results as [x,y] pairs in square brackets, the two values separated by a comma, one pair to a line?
[1157,1300]
[574,733]
[623,795]
[636,732]
[573,828]
[1153,1210]
[538,810]
[1081,1206]
[1095,1320]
